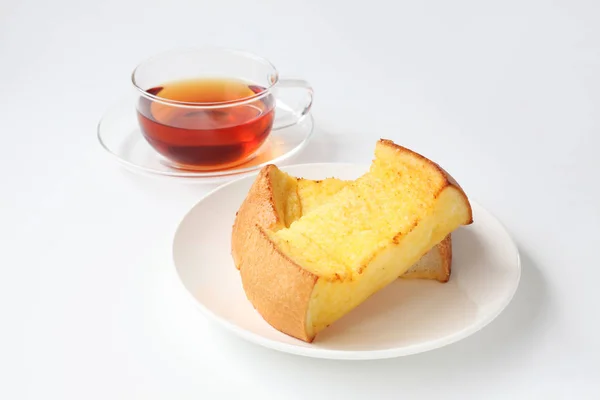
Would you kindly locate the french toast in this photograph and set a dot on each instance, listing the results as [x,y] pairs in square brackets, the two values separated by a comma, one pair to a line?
[302,274]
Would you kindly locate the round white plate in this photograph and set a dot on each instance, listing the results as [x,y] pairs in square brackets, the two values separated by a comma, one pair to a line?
[119,134]
[407,317]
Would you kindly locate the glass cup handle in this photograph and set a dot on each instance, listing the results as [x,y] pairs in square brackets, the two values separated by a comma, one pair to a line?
[286,114]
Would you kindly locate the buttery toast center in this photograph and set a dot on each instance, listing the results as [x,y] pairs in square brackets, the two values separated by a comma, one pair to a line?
[336,240]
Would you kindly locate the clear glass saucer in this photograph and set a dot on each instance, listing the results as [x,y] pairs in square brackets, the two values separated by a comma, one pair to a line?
[120,135]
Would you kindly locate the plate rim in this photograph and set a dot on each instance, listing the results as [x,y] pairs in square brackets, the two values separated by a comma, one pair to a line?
[205,175]
[317,352]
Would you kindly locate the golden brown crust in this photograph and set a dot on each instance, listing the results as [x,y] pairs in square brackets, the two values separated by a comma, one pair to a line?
[258,208]
[277,287]
[450,181]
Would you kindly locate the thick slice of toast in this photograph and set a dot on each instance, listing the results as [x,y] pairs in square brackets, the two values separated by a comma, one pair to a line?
[278,201]
[303,274]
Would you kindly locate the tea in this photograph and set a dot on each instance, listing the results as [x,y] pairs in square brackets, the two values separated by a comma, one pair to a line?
[220,135]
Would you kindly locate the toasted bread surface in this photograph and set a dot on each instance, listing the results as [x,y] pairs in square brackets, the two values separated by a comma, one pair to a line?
[304,271]
[436,264]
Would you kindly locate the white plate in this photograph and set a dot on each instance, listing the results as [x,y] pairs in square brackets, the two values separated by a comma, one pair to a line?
[406,317]
[119,134]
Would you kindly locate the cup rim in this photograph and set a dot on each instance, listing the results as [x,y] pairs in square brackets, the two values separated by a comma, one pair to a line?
[216,104]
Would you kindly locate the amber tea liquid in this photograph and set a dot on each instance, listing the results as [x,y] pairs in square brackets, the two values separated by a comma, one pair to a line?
[206,138]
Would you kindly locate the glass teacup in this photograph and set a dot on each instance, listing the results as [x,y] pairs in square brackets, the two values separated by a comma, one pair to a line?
[212,108]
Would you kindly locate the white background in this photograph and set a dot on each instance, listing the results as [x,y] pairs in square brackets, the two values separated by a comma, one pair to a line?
[505,95]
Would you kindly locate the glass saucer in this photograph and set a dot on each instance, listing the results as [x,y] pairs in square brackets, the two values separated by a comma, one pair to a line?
[120,135]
